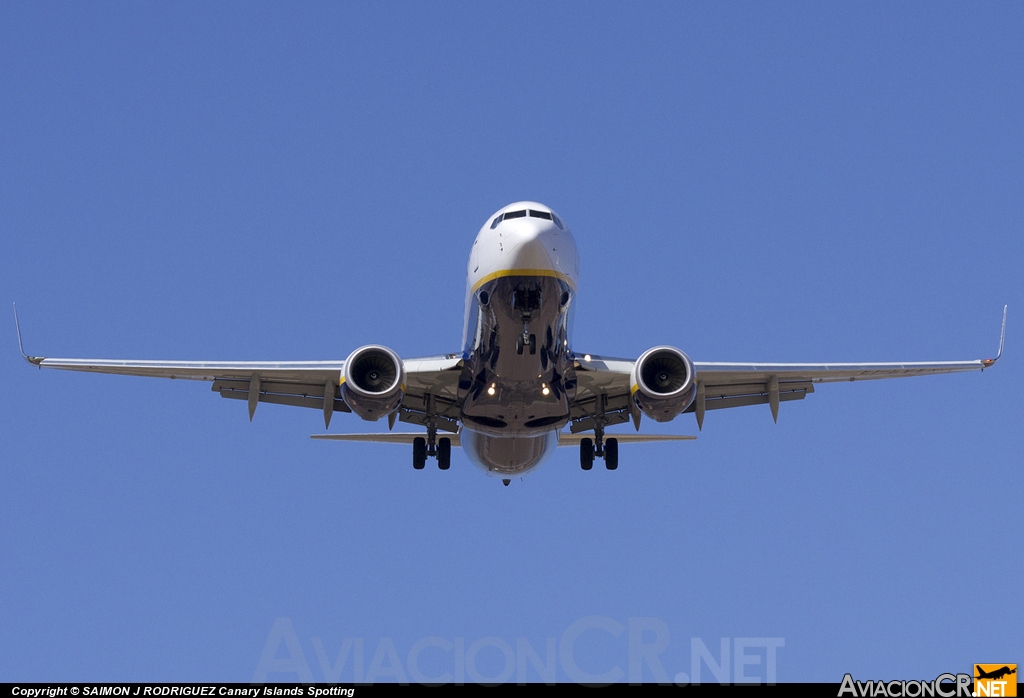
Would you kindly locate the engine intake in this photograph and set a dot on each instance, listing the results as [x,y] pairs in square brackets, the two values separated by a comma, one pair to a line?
[374,382]
[663,383]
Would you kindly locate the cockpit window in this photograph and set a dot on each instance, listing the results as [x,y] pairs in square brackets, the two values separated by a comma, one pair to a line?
[522,214]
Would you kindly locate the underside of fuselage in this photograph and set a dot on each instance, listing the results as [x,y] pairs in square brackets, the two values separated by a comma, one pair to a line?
[507,456]
[517,381]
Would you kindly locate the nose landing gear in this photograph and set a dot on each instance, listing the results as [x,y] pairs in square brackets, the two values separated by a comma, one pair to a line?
[526,341]
[526,301]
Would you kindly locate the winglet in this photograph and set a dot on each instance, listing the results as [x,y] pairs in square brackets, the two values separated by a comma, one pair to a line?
[34,360]
[1002,338]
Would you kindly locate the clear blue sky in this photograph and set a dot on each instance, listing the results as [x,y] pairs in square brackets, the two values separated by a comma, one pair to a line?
[780,182]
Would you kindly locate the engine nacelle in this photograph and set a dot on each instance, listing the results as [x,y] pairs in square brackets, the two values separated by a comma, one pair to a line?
[374,382]
[663,383]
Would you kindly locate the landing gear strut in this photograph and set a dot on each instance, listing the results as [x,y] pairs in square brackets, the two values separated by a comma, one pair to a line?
[526,301]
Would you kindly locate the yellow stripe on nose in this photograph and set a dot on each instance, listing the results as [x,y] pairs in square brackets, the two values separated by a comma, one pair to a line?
[524,272]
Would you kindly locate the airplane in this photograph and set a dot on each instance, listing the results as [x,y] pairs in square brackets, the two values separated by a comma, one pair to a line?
[996,674]
[518,381]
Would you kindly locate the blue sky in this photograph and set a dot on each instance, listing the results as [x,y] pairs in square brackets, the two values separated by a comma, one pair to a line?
[781,182]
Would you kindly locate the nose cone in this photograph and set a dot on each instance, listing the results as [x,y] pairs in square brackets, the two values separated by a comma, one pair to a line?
[524,238]
[529,244]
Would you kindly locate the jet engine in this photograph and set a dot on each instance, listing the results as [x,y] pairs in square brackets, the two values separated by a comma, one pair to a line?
[374,380]
[663,383]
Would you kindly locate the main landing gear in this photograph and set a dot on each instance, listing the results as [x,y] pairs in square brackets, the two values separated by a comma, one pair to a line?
[601,448]
[442,450]
[423,448]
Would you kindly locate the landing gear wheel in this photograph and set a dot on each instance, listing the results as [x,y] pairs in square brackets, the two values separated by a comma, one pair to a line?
[586,454]
[444,453]
[611,454]
[419,452]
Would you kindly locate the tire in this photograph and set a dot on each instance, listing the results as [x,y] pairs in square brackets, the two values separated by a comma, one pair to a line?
[611,454]
[586,454]
[444,453]
[419,452]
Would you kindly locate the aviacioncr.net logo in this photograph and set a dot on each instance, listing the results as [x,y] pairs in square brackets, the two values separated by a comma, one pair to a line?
[943,686]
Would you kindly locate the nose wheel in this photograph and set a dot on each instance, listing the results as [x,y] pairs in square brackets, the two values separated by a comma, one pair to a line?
[526,343]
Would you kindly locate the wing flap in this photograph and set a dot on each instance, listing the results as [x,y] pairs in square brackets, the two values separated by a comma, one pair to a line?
[294,394]
[723,402]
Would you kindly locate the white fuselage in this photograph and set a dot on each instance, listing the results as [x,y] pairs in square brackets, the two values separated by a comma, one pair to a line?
[518,379]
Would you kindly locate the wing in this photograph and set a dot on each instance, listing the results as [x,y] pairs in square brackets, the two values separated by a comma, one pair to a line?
[431,382]
[298,383]
[603,392]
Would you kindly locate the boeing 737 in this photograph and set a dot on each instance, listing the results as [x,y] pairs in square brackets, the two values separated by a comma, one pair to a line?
[517,383]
